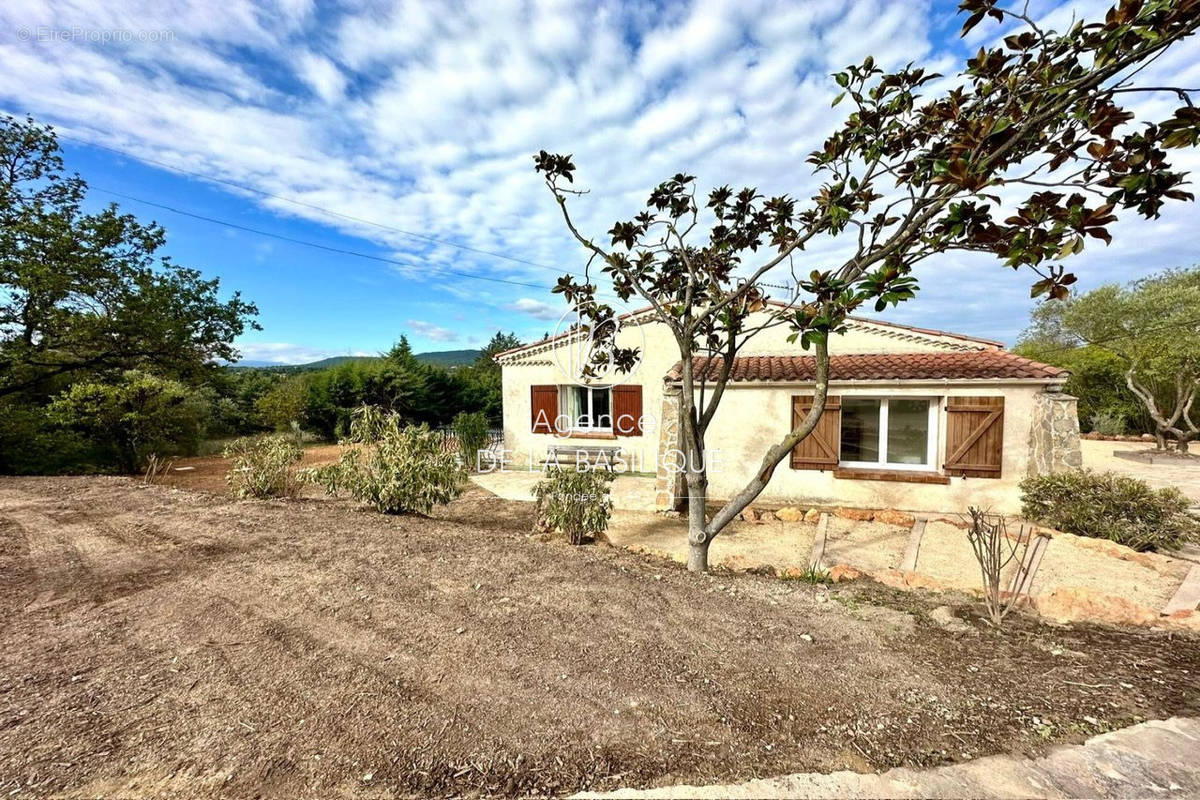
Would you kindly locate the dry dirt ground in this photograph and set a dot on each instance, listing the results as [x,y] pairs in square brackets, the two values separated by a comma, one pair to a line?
[165,642]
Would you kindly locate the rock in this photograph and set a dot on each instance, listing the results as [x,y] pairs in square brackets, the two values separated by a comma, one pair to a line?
[1077,604]
[749,514]
[844,572]
[807,637]
[858,514]
[1111,549]
[790,514]
[812,516]
[766,516]
[943,617]
[904,579]
[792,574]
[890,516]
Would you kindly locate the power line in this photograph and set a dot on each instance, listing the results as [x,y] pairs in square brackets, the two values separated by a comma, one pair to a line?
[314,207]
[305,243]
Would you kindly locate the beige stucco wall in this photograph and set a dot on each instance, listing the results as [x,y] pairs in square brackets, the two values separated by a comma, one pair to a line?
[752,417]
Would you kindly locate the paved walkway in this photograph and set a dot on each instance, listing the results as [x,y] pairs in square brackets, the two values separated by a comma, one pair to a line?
[1099,456]
[629,492]
[1154,759]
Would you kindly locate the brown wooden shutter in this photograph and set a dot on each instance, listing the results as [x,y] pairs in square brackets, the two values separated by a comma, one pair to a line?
[544,408]
[974,436]
[819,450]
[627,410]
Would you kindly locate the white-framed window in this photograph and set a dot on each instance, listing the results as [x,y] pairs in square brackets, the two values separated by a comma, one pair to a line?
[588,408]
[889,432]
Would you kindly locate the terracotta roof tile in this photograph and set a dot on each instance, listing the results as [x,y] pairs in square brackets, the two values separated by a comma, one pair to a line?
[977,364]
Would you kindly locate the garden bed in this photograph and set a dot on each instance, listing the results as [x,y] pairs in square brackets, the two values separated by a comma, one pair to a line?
[166,642]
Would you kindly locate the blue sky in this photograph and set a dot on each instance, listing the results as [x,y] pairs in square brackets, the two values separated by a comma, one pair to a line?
[422,117]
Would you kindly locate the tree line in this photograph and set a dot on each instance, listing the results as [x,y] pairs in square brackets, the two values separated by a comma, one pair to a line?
[111,352]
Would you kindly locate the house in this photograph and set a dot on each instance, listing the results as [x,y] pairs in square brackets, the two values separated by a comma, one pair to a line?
[916,419]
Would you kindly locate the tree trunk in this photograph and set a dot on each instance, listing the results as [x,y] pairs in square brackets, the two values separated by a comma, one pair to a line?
[698,538]
[1160,440]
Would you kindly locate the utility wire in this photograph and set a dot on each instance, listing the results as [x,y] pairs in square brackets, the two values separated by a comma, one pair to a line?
[305,243]
[350,217]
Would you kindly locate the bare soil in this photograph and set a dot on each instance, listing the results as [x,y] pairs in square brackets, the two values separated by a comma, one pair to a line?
[172,643]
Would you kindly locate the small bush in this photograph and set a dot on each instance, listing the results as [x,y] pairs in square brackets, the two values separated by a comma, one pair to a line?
[1106,505]
[813,573]
[471,430]
[1107,423]
[262,466]
[394,468]
[576,503]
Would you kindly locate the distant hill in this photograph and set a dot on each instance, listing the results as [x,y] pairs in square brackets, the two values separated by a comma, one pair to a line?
[449,358]
[442,358]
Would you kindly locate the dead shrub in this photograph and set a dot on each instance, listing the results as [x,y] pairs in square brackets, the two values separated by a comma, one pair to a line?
[994,550]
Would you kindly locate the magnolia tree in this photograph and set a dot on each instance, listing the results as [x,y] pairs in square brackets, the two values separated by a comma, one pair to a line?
[1035,118]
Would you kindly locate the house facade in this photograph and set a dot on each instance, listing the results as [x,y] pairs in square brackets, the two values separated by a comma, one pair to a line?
[916,419]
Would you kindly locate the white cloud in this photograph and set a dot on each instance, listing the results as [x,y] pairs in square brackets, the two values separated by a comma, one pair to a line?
[434,333]
[288,353]
[322,75]
[423,117]
[537,309]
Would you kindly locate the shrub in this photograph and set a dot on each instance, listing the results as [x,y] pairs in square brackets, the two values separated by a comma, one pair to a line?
[262,466]
[995,548]
[471,430]
[576,503]
[394,468]
[1106,505]
[1108,423]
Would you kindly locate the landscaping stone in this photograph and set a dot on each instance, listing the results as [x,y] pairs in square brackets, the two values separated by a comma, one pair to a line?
[1187,596]
[1077,604]
[840,573]
[766,516]
[912,548]
[943,617]
[812,516]
[790,514]
[890,516]
[905,579]
[859,514]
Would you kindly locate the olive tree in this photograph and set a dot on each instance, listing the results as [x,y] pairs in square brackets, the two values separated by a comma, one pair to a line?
[1153,326]
[905,177]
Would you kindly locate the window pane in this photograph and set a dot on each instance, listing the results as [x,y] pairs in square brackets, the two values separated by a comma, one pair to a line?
[908,431]
[860,429]
[578,406]
[601,412]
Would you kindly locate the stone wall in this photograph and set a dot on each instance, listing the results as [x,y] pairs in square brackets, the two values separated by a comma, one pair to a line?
[1054,434]
[668,480]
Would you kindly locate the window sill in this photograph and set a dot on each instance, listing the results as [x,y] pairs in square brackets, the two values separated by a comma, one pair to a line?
[590,435]
[898,475]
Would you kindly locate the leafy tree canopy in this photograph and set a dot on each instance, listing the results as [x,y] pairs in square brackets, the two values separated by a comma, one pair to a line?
[88,293]
[1153,327]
